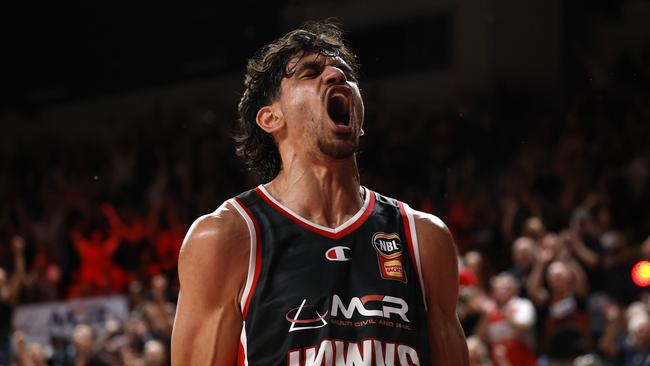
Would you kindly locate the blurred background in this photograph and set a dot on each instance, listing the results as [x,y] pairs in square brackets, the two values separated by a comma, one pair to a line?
[524,125]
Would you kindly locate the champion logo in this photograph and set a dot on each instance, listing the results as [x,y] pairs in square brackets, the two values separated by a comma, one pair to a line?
[338,254]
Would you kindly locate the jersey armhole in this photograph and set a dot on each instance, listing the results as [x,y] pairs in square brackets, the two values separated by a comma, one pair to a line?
[255,254]
[414,248]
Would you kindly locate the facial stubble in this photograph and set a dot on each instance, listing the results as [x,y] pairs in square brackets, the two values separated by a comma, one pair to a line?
[333,147]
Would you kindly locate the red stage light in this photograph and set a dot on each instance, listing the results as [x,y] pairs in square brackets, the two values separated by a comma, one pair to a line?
[641,273]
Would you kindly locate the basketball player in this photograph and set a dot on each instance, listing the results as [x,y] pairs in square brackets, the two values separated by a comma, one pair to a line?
[312,268]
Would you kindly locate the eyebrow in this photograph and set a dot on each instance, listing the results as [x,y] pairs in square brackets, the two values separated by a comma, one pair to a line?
[307,65]
[315,64]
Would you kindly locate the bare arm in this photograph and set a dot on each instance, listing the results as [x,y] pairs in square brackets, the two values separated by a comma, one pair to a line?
[212,270]
[481,328]
[76,238]
[440,275]
[159,311]
[573,241]
[581,282]
[508,219]
[607,342]
[21,350]
[114,220]
[151,223]
[536,290]
[16,281]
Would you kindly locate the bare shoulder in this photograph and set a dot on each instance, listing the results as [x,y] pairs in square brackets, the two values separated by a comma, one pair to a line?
[439,261]
[223,230]
[212,269]
[431,230]
[215,246]
[440,277]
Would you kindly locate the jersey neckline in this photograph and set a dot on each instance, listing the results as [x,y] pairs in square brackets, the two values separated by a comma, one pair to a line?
[334,233]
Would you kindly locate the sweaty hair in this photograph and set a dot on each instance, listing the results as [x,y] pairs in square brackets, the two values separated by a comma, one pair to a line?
[264,73]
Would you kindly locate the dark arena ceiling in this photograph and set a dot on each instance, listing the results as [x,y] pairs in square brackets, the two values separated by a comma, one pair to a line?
[57,52]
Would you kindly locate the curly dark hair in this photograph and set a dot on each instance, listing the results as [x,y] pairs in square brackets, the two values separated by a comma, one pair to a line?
[256,148]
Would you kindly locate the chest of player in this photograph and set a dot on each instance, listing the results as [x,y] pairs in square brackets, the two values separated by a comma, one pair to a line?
[320,291]
[365,277]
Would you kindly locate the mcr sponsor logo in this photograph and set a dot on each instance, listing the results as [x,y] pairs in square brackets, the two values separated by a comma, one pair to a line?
[389,305]
[389,256]
[362,310]
[363,353]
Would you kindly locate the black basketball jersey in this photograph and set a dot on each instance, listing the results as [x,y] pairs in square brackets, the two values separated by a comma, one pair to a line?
[320,296]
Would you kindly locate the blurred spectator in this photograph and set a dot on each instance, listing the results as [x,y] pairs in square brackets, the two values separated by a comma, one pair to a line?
[470,300]
[159,312]
[508,323]
[168,235]
[9,293]
[534,228]
[626,340]
[134,235]
[97,273]
[587,360]
[565,330]
[37,354]
[523,257]
[154,353]
[478,352]
[576,238]
[137,299]
[581,239]
[644,251]
[43,282]
[616,266]
[29,355]
[474,261]
[83,341]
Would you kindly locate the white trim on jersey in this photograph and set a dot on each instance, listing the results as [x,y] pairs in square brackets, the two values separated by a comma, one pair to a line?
[253,251]
[243,340]
[336,230]
[416,249]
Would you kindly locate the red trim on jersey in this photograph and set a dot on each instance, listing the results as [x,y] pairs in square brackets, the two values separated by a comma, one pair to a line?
[258,256]
[240,355]
[409,240]
[306,225]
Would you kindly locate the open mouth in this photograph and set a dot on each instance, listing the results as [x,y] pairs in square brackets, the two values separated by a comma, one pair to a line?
[338,108]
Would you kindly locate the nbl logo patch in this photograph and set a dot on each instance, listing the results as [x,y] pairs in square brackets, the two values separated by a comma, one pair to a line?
[389,256]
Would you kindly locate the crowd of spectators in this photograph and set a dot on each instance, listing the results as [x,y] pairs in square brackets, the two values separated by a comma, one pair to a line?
[548,207]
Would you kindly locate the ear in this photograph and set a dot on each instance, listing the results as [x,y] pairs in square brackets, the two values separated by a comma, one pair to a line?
[269,118]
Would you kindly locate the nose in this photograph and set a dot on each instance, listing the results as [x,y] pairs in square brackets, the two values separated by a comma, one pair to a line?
[333,75]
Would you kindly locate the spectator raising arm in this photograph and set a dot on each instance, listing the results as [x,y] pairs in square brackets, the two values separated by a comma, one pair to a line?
[15,283]
[608,342]
[536,291]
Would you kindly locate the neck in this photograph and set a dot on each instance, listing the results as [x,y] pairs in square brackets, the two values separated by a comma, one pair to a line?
[325,193]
